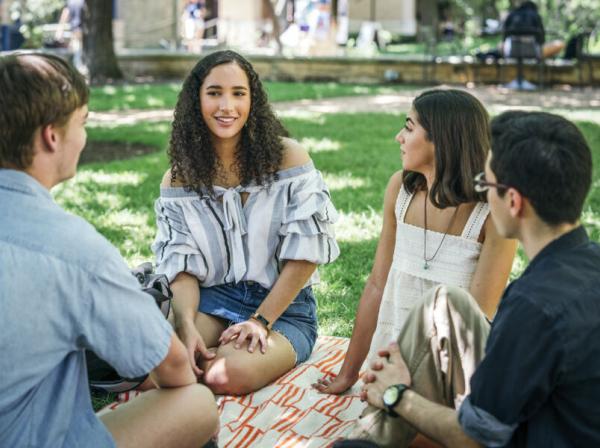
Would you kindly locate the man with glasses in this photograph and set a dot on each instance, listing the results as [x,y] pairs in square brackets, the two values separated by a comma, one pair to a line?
[539,382]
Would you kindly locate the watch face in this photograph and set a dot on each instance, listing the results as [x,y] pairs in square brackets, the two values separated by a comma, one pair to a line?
[390,396]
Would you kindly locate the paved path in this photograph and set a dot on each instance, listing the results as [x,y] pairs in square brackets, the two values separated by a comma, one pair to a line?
[576,104]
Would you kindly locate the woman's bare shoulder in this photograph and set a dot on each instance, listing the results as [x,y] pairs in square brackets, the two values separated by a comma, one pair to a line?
[395,183]
[294,154]
[168,181]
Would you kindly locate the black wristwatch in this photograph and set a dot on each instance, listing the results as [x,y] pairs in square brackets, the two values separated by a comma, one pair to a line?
[392,396]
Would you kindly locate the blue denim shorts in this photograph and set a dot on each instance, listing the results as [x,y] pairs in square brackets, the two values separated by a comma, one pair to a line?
[237,302]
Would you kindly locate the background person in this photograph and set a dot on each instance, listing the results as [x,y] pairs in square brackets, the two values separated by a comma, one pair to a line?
[72,14]
[192,21]
[66,289]
[435,227]
[244,218]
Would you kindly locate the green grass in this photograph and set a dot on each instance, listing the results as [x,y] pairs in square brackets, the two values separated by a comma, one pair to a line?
[164,95]
[356,153]
[458,46]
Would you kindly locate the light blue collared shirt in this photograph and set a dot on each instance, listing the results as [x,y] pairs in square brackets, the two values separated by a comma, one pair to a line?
[63,289]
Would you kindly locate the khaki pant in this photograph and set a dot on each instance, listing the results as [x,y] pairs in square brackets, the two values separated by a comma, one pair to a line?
[442,343]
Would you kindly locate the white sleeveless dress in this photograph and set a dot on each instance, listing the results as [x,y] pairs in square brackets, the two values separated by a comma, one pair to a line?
[407,280]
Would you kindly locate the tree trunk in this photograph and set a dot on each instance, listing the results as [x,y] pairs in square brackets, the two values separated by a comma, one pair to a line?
[98,47]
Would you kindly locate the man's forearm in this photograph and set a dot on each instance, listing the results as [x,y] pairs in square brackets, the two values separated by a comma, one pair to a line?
[175,370]
[436,421]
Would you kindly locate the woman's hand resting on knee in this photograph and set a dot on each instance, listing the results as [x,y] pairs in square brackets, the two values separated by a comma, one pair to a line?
[194,345]
[250,329]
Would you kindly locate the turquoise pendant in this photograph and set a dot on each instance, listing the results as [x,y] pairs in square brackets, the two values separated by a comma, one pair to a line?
[426,266]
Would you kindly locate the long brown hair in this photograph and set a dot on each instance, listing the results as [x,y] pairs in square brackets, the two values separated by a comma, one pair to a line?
[458,126]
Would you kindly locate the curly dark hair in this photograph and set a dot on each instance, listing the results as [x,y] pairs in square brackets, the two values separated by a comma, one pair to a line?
[191,152]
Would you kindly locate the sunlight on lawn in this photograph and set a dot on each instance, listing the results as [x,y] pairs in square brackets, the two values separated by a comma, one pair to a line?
[320,144]
[155,102]
[591,219]
[107,179]
[313,117]
[335,182]
[110,90]
[105,199]
[354,227]
[135,230]
[361,90]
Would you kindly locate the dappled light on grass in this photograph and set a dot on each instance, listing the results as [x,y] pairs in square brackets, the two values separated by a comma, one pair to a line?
[358,226]
[341,182]
[320,145]
[164,95]
[519,264]
[134,96]
[361,90]
[591,221]
[108,201]
[110,90]
[104,178]
[135,230]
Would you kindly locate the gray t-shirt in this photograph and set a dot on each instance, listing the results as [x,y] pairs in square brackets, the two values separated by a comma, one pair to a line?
[63,289]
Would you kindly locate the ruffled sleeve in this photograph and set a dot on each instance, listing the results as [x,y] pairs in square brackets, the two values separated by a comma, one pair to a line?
[307,228]
[174,246]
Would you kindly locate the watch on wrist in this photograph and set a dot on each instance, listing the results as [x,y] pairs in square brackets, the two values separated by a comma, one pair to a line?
[260,318]
[392,396]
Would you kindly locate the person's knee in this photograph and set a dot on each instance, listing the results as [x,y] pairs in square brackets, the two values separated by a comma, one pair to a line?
[228,376]
[202,410]
[452,294]
[457,297]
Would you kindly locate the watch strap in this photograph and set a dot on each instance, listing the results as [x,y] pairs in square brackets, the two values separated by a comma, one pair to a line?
[262,319]
[400,388]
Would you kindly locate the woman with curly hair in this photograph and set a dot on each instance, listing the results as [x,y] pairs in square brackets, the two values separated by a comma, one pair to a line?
[244,218]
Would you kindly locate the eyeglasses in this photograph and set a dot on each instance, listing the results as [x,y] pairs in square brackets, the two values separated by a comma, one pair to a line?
[482,185]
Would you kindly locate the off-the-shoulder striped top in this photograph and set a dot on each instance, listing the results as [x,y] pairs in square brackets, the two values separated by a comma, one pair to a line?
[220,240]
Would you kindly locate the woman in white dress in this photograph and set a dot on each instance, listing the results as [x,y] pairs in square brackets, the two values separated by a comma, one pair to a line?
[436,228]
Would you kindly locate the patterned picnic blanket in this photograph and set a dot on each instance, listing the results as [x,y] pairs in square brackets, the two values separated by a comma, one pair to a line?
[289,413]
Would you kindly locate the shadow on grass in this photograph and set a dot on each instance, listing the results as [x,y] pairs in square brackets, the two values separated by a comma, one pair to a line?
[341,285]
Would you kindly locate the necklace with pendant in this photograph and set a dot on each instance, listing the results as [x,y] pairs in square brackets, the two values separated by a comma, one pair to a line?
[426,260]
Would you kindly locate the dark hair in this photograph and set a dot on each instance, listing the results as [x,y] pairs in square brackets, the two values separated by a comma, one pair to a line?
[528,5]
[457,125]
[191,152]
[546,158]
[35,90]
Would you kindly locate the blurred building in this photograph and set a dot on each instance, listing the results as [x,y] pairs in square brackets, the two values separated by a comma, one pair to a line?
[396,16]
[155,23]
